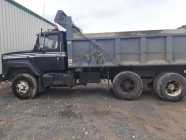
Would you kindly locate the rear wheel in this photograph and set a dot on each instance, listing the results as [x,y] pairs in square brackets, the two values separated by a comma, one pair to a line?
[25,86]
[170,86]
[127,85]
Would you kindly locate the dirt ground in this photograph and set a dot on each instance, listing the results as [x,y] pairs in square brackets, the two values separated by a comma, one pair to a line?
[89,114]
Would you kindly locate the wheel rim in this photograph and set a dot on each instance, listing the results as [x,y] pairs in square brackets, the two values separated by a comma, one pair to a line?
[127,85]
[173,88]
[22,87]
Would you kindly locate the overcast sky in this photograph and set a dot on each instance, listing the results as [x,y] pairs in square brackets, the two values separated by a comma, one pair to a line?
[115,15]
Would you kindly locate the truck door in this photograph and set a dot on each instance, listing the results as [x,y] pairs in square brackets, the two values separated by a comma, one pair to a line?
[50,57]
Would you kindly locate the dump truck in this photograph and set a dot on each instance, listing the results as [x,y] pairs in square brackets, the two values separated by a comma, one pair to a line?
[130,61]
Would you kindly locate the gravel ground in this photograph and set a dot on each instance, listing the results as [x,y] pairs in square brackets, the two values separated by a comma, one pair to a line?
[89,114]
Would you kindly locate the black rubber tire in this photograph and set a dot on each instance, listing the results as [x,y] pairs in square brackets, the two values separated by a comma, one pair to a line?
[136,91]
[32,82]
[155,81]
[160,84]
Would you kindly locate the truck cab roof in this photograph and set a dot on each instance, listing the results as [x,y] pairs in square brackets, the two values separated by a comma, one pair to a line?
[51,32]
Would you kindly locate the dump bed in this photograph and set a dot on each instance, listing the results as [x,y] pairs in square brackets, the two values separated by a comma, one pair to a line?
[158,47]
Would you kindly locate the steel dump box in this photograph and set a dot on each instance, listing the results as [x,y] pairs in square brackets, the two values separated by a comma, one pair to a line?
[128,48]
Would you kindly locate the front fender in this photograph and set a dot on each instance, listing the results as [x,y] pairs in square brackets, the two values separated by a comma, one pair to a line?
[19,64]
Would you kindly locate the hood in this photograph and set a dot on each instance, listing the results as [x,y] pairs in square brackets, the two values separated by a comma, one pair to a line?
[19,52]
[18,55]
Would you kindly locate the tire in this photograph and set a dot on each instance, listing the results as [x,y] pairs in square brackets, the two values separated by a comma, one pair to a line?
[170,86]
[127,85]
[25,86]
[155,82]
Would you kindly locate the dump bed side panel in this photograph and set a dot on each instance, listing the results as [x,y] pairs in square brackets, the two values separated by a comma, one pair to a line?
[139,50]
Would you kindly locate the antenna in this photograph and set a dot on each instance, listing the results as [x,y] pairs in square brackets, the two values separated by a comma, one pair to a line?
[41,30]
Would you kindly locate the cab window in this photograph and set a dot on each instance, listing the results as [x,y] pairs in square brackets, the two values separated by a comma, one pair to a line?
[49,42]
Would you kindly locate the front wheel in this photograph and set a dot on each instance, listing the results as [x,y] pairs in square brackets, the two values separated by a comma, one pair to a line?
[25,86]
